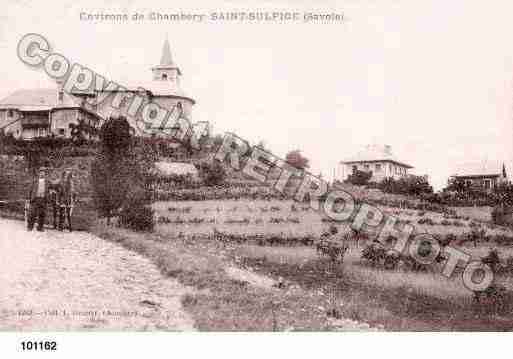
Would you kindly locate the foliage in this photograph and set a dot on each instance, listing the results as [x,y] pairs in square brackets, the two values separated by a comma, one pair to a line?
[296,159]
[410,185]
[359,178]
[115,136]
[6,184]
[212,173]
[122,167]
[136,214]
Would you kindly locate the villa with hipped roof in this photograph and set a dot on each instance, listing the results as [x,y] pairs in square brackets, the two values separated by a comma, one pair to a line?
[377,159]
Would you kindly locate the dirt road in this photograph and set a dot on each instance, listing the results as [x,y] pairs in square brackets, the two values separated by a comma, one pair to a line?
[62,281]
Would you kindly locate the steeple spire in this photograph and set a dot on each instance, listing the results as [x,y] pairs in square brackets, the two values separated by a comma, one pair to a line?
[166,59]
[167,69]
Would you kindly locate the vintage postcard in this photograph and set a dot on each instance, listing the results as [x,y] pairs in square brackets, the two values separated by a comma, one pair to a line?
[255,166]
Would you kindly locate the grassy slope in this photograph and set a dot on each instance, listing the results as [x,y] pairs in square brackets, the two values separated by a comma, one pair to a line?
[398,300]
[221,303]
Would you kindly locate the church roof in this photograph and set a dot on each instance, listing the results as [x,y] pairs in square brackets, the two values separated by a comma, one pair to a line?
[160,88]
[166,60]
[36,100]
[373,153]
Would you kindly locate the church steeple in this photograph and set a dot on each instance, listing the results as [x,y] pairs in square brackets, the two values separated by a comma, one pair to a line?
[167,70]
[166,59]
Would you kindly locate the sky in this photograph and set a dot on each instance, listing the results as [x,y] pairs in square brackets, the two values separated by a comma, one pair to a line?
[432,79]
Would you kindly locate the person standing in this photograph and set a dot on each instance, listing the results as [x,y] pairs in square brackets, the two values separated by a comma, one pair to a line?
[65,199]
[54,189]
[38,199]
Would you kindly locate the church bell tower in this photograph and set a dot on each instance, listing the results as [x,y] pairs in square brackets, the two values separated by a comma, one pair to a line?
[167,70]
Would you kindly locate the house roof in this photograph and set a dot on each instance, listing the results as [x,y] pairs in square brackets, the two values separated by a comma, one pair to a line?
[374,153]
[36,99]
[477,169]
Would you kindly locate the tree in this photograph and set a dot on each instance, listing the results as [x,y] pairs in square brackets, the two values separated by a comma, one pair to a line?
[109,173]
[115,135]
[296,159]
[456,185]
[120,170]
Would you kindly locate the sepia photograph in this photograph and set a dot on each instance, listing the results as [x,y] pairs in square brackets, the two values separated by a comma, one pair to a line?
[290,167]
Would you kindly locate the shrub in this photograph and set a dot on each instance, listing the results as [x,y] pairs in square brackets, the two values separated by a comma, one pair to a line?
[136,215]
[492,259]
[296,159]
[411,185]
[426,221]
[212,173]
[359,178]
[448,239]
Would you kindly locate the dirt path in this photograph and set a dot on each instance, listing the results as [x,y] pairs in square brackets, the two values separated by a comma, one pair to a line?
[63,281]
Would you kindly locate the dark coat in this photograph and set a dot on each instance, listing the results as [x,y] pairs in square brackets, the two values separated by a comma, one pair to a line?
[66,194]
[33,188]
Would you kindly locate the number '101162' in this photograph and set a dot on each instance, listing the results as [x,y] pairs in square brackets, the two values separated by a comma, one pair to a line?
[38,346]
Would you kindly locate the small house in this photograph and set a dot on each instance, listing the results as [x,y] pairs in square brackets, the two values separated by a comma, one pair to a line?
[484,175]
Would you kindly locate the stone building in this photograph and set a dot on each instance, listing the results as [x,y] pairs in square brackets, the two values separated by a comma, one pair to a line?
[34,113]
[164,89]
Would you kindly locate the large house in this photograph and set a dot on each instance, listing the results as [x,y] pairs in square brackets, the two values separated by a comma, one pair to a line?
[485,175]
[377,159]
[34,113]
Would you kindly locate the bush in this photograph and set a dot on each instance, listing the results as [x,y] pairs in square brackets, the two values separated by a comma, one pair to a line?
[137,216]
[411,185]
[212,173]
[6,185]
[359,178]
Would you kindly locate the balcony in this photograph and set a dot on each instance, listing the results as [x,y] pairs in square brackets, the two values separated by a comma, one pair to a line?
[35,121]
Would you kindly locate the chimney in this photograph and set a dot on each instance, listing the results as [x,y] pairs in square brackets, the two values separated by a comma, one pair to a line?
[388,149]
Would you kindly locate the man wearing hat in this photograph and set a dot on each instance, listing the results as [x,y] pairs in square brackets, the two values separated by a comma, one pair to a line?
[38,199]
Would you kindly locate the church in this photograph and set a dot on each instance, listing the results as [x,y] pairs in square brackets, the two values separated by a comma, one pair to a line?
[29,114]
[164,89]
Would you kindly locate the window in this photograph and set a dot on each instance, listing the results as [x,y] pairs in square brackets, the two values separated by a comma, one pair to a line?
[61,95]
[9,113]
[164,76]
[367,167]
[355,168]
[487,184]
[61,131]
[378,167]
